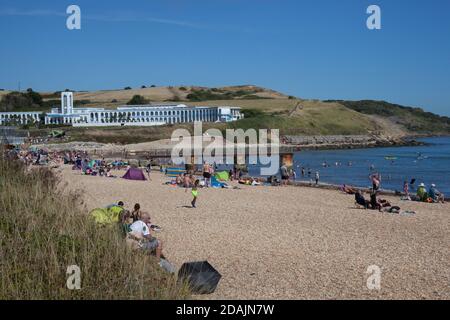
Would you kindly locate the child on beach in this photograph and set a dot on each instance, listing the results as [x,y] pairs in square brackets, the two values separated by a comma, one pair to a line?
[195,192]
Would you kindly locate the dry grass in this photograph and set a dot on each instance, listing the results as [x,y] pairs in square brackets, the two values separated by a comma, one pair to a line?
[43,230]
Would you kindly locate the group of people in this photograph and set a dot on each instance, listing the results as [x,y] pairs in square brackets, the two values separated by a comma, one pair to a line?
[138,228]
[433,195]
[288,174]
[37,157]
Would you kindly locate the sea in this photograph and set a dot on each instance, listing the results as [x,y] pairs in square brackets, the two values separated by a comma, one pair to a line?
[429,164]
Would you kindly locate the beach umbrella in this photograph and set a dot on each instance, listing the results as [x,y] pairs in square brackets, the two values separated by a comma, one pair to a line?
[200,276]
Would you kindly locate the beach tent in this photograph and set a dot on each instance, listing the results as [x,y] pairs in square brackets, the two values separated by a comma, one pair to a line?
[216,183]
[222,176]
[134,174]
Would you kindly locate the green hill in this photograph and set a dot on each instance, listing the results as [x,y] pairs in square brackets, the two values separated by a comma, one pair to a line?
[415,120]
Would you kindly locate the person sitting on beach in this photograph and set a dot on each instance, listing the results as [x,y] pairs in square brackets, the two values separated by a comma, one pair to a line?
[348,189]
[179,180]
[140,231]
[435,195]
[359,199]
[422,194]
[374,204]
[136,213]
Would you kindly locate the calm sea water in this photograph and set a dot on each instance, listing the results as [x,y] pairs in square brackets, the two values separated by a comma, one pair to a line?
[428,164]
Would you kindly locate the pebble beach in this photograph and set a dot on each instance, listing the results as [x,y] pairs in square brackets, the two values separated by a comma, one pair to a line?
[289,242]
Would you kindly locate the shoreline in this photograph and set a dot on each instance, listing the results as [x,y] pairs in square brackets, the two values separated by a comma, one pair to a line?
[161,147]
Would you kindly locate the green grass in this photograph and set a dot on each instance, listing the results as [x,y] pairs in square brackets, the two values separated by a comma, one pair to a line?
[43,230]
[415,120]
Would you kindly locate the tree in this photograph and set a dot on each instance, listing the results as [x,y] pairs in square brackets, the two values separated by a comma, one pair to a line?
[137,99]
[127,88]
[19,100]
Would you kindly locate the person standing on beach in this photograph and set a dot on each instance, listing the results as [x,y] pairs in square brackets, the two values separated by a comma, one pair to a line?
[376,181]
[317,177]
[207,173]
[284,175]
[303,171]
[406,189]
[148,168]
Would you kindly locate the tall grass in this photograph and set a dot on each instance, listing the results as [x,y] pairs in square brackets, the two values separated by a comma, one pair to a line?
[43,230]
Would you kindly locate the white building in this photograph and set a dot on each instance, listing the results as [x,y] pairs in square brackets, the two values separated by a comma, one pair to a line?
[20,118]
[136,115]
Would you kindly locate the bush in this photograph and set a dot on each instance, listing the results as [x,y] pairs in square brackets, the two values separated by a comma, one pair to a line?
[48,230]
[183,89]
[127,88]
[252,113]
[19,101]
[137,99]
[143,87]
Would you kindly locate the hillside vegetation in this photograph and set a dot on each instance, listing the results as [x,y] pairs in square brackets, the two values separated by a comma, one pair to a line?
[48,230]
[413,119]
[263,109]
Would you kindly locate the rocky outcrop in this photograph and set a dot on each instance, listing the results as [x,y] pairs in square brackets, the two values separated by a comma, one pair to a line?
[344,141]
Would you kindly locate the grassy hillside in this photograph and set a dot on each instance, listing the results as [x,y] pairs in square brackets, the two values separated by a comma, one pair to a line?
[44,232]
[415,120]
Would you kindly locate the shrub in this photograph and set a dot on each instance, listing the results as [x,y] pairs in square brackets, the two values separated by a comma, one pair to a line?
[137,99]
[127,88]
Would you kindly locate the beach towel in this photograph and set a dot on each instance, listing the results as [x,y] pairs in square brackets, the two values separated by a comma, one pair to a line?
[104,216]
[407,213]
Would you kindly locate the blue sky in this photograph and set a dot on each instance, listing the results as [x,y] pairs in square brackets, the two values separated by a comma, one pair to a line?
[311,49]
